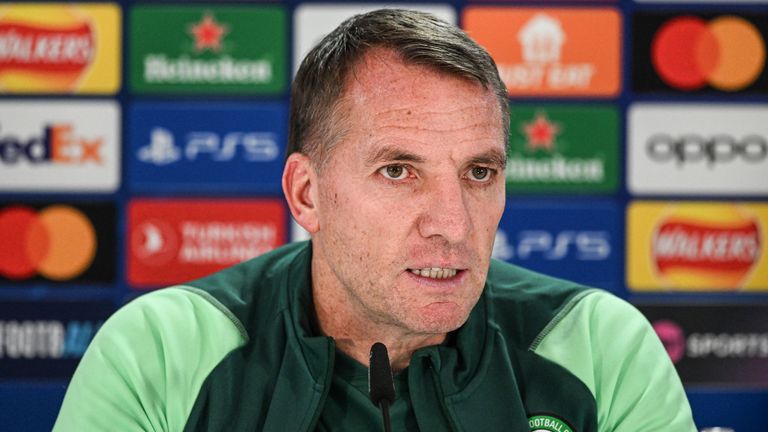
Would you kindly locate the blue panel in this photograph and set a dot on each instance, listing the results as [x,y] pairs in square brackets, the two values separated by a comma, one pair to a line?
[742,411]
[30,407]
[218,147]
[575,240]
[46,339]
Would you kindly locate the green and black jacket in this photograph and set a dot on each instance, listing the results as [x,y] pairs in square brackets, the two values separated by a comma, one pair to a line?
[235,351]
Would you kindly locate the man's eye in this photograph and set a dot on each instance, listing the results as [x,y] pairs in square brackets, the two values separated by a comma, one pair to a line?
[480,173]
[394,172]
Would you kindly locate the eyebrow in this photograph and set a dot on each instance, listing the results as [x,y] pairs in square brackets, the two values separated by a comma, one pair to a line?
[389,153]
[491,157]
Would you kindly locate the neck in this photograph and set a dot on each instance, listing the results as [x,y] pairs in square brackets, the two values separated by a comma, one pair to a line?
[354,331]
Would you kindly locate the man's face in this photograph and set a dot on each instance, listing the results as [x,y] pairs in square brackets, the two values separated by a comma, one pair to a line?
[415,184]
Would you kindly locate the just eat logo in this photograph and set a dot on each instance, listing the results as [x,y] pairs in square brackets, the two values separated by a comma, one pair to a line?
[58,143]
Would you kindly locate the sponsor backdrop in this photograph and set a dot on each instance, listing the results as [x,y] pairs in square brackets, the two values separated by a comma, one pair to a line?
[141,145]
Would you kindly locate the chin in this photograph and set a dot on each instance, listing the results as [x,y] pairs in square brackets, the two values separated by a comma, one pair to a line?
[440,318]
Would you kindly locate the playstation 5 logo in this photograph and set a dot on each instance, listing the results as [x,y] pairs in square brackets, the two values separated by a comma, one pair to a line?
[251,146]
[160,150]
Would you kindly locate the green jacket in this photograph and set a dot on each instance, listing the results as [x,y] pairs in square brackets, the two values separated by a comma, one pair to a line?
[234,352]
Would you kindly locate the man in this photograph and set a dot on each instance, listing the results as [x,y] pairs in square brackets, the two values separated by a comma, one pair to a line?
[395,167]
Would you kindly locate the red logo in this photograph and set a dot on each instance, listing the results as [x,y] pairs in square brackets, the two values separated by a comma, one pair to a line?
[57,242]
[541,133]
[727,53]
[704,247]
[179,240]
[208,33]
[46,49]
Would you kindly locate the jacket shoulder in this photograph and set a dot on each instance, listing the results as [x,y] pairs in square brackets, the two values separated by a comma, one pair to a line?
[523,302]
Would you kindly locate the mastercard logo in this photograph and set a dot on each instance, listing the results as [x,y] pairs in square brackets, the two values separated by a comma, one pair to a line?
[727,53]
[57,242]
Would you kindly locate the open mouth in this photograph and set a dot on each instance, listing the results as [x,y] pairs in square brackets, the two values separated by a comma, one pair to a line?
[435,272]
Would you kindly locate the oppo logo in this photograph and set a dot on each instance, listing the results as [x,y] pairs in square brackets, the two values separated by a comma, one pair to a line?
[692,148]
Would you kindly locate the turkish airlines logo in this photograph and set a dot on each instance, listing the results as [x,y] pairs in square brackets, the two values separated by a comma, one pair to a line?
[726,53]
[57,143]
[178,240]
[58,242]
[694,148]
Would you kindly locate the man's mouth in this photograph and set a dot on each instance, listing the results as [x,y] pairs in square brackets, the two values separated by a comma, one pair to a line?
[435,272]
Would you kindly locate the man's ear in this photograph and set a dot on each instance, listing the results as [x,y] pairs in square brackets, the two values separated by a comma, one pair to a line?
[299,187]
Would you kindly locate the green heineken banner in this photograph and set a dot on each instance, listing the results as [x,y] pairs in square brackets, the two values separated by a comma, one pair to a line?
[563,149]
[208,49]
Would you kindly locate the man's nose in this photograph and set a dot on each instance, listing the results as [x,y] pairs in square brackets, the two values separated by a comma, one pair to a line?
[445,212]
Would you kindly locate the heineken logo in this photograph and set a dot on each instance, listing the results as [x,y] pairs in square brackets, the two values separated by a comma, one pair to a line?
[548,423]
[208,33]
[194,49]
[562,148]
[541,133]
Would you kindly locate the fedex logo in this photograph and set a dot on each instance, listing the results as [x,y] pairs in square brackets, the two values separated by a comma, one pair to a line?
[57,143]
[251,146]
[553,245]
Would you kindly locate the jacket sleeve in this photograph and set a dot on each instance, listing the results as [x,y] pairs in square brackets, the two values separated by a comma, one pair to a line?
[147,363]
[612,348]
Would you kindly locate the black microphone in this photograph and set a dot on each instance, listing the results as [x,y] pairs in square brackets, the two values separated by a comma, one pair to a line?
[380,383]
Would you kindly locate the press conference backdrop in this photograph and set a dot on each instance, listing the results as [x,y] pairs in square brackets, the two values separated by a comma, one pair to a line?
[141,145]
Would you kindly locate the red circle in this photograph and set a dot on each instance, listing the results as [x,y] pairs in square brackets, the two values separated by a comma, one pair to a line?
[15,224]
[682,52]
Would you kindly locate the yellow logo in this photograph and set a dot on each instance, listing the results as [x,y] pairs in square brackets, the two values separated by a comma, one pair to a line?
[701,246]
[60,48]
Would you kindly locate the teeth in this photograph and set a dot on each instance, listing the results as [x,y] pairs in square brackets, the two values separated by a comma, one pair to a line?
[435,272]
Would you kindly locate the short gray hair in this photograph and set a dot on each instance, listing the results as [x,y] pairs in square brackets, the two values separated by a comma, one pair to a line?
[420,38]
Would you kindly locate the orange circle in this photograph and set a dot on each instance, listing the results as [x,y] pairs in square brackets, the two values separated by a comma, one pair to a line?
[742,53]
[72,244]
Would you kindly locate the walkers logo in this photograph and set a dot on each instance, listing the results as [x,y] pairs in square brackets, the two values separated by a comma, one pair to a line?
[698,149]
[313,21]
[46,339]
[700,53]
[59,146]
[59,48]
[238,146]
[534,236]
[173,241]
[714,345]
[58,242]
[551,51]
[563,148]
[700,246]
[214,49]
